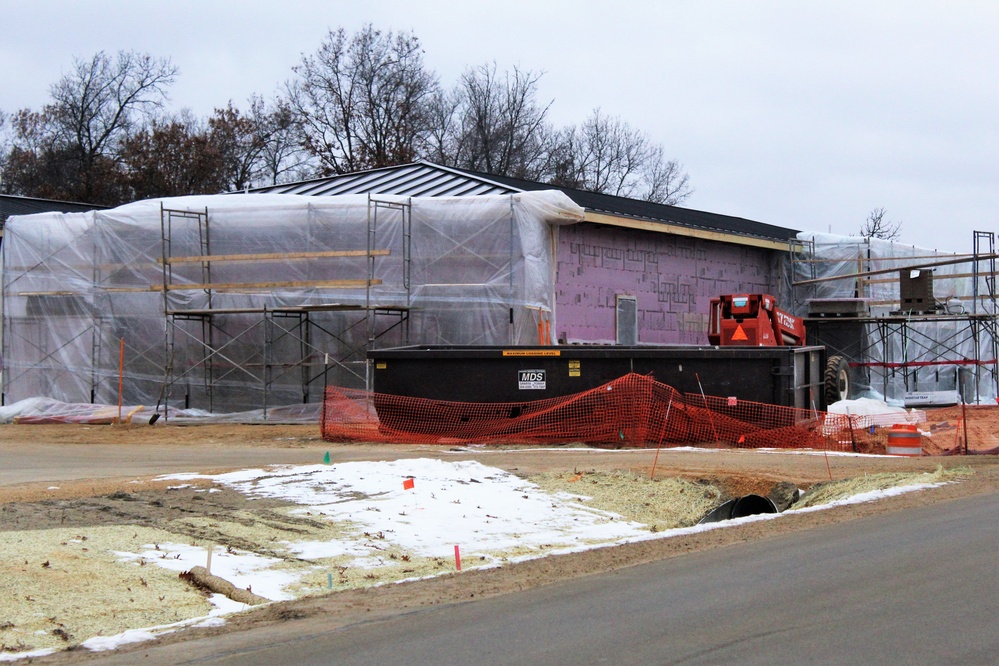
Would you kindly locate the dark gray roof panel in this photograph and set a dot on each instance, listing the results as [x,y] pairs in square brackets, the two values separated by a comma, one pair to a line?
[14,205]
[424,179]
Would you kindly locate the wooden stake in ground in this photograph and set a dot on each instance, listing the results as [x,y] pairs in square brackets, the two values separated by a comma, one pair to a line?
[662,433]
[825,448]
[849,420]
[706,409]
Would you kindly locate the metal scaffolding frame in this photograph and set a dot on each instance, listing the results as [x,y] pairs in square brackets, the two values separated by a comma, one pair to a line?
[294,340]
[89,317]
[988,239]
[905,346]
[928,342]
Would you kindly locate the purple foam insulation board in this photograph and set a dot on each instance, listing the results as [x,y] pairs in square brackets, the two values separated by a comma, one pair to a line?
[673,278]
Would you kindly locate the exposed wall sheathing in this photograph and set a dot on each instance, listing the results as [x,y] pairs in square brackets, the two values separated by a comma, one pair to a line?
[672,277]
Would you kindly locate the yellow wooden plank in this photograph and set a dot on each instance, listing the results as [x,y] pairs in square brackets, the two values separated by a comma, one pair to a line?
[219,286]
[677,230]
[936,277]
[886,271]
[215,286]
[275,256]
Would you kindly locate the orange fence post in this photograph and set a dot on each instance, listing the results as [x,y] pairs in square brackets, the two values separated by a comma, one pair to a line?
[662,433]
[964,417]
[121,374]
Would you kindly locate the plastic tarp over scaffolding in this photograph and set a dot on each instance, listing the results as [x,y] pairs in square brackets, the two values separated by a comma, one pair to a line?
[242,302]
[947,342]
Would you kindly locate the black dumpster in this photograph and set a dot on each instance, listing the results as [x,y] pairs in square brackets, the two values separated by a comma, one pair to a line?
[787,376]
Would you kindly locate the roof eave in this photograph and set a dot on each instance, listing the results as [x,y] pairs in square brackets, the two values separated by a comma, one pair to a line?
[663,227]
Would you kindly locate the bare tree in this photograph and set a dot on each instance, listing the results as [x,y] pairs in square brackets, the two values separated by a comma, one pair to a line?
[98,104]
[665,181]
[283,158]
[5,146]
[497,125]
[71,149]
[239,141]
[606,155]
[877,226]
[362,100]
[37,164]
[261,146]
[442,140]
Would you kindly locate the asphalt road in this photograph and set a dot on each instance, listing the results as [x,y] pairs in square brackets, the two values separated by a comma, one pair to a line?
[918,586]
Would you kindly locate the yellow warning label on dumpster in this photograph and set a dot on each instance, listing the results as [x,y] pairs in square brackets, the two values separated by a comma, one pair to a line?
[532,352]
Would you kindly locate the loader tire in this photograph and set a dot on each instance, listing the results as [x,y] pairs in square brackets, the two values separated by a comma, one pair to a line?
[837,380]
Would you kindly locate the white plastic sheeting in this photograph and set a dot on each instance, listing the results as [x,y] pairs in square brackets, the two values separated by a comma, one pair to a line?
[47,410]
[917,361]
[297,289]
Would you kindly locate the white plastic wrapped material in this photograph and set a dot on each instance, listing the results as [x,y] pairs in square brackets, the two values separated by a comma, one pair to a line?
[47,410]
[239,302]
[867,407]
[831,255]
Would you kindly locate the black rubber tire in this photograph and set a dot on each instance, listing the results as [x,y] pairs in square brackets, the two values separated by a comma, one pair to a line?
[837,380]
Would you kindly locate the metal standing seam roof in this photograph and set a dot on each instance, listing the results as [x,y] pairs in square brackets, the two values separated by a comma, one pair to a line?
[425,179]
[412,180]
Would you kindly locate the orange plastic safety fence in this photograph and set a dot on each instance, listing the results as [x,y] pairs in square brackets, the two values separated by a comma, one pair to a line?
[632,411]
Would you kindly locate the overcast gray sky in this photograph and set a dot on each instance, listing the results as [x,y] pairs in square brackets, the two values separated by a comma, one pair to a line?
[796,113]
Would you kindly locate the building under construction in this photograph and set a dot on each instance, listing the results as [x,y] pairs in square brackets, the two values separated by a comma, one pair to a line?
[251,301]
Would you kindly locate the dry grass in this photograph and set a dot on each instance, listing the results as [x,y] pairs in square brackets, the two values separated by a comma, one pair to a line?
[245,531]
[393,565]
[63,586]
[661,504]
[824,493]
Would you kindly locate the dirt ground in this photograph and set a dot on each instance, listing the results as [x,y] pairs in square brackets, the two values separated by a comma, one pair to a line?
[76,482]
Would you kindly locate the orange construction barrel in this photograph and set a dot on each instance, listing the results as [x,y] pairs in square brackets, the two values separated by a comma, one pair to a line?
[904,440]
